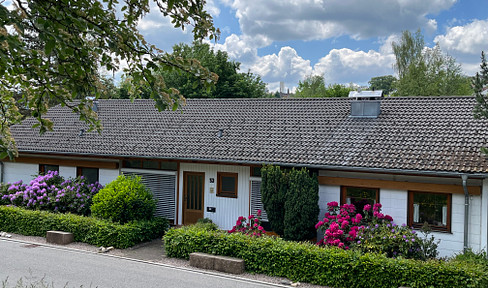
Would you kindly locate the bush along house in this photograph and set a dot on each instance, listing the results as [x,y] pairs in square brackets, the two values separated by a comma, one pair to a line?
[417,156]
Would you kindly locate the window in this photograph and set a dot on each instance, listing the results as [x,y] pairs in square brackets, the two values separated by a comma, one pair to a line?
[150,164]
[359,196]
[90,174]
[227,184]
[431,208]
[44,168]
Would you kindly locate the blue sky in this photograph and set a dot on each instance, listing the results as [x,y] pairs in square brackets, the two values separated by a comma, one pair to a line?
[347,41]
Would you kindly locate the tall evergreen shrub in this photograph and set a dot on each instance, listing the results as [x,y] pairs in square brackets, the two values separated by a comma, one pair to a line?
[273,192]
[291,201]
[301,205]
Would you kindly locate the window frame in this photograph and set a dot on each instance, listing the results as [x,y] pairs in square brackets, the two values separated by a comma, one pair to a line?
[42,168]
[79,172]
[344,194]
[418,226]
[227,194]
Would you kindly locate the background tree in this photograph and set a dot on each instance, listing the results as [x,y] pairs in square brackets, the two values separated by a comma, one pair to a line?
[231,83]
[53,50]
[314,86]
[311,86]
[426,71]
[384,83]
[480,87]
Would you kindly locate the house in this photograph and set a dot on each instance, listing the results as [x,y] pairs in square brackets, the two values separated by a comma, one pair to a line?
[418,156]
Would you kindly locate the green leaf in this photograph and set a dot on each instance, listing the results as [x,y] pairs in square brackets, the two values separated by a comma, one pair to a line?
[49,46]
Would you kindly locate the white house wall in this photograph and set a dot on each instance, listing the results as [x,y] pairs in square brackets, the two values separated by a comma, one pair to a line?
[227,210]
[107,175]
[14,172]
[395,203]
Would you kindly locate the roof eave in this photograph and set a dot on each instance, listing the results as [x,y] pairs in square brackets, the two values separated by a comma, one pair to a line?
[310,166]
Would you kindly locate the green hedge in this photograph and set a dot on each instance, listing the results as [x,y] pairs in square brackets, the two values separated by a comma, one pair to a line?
[331,267]
[85,229]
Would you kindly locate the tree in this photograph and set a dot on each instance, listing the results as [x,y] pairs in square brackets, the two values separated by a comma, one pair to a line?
[53,50]
[480,87]
[231,83]
[426,71]
[311,86]
[314,86]
[301,205]
[273,193]
[384,83]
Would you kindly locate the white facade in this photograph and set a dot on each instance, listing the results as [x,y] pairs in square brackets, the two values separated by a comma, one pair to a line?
[395,204]
[227,210]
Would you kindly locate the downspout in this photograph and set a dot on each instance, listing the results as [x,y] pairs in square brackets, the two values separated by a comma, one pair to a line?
[1,172]
[466,210]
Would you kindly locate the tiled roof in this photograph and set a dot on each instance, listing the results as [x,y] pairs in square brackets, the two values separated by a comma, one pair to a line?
[411,133]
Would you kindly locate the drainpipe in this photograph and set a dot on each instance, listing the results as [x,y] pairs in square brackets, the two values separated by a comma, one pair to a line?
[466,210]
[1,171]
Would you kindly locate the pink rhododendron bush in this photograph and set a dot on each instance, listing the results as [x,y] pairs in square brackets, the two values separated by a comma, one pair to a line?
[372,231]
[250,226]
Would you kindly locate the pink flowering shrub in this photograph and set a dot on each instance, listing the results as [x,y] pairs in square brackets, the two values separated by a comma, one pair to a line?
[53,193]
[341,225]
[374,232]
[250,226]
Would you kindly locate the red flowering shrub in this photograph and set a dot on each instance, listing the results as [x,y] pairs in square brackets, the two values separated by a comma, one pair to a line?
[250,226]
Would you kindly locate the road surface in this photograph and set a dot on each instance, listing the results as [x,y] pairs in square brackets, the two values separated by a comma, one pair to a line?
[72,268]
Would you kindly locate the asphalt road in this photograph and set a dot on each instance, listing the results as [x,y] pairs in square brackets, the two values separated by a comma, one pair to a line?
[71,268]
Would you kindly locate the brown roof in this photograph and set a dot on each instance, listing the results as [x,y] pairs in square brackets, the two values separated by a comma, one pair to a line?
[411,133]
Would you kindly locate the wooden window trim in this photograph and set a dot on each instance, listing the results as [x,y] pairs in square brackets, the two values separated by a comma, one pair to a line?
[78,172]
[42,168]
[434,228]
[344,193]
[227,194]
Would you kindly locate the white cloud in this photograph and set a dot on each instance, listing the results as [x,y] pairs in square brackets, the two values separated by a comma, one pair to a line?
[322,19]
[469,39]
[287,66]
[345,65]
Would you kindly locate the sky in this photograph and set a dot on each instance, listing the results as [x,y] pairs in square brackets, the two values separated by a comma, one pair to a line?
[346,41]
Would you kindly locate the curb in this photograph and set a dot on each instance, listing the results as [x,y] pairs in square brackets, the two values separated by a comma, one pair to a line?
[196,271]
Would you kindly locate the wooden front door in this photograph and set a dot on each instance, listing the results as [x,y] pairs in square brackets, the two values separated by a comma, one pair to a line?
[193,187]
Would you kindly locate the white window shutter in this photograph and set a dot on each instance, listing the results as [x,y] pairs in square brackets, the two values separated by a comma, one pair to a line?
[256,203]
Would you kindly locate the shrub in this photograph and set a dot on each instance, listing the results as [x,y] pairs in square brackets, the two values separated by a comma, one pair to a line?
[329,267]
[85,229]
[290,200]
[375,233]
[273,193]
[301,205]
[123,200]
[52,192]
[251,228]
[206,223]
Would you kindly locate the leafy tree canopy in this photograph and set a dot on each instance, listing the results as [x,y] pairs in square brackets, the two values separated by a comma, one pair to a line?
[231,83]
[384,83]
[314,86]
[51,51]
[426,71]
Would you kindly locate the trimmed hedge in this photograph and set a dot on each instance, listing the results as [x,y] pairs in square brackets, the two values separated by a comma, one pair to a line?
[85,229]
[334,267]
